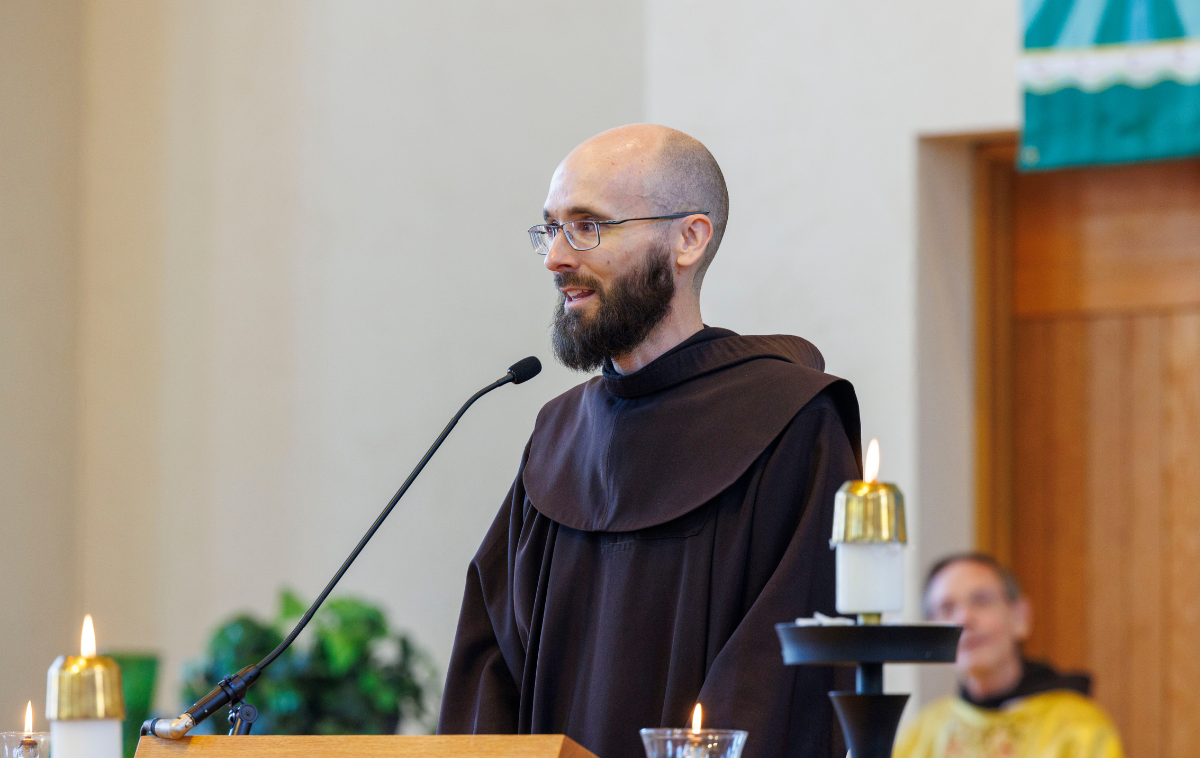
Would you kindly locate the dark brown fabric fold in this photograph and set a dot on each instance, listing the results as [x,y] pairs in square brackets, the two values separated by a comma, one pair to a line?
[619,453]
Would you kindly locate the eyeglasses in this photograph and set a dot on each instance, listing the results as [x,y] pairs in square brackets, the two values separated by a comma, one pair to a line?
[976,602]
[585,235]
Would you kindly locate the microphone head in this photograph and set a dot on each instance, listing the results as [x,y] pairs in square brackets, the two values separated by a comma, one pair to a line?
[525,369]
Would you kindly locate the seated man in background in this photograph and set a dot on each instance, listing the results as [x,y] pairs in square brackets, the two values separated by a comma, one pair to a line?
[1007,705]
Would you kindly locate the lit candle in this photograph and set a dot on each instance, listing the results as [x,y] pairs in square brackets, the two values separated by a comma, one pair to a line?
[696,742]
[29,747]
[26,743]
[84,702]
[869,536]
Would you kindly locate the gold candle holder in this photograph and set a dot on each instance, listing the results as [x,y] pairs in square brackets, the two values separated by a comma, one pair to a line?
[868,512]
[79,687]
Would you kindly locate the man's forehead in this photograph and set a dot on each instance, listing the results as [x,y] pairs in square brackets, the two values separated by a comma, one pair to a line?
[595,180]
[964,577]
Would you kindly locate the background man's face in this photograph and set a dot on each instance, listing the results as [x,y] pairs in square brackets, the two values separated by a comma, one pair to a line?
[971,595]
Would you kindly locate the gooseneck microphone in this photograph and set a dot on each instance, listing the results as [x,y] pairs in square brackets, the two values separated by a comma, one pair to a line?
[232,689]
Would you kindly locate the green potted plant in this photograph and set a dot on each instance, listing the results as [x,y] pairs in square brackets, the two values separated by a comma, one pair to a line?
[347,674]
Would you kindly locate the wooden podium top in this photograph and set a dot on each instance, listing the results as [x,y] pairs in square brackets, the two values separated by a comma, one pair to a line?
[367,746]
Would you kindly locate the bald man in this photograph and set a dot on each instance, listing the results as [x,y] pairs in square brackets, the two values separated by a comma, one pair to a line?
[668,512]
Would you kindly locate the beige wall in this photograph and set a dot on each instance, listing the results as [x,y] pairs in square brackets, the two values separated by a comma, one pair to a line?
[304,247]
[120,330]
[39,174]
[945,363]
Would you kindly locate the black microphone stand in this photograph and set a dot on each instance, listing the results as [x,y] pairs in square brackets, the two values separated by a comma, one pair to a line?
[232,689]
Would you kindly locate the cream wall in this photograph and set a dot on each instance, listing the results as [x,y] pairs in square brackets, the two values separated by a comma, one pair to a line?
[120,326]
[815,111]
[945,359]
[39,174]
[304,247]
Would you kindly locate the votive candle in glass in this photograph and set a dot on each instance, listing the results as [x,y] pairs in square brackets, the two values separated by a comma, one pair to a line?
[695,742]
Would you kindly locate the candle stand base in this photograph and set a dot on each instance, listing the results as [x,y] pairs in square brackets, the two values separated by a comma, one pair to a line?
[869,718]
[869,722]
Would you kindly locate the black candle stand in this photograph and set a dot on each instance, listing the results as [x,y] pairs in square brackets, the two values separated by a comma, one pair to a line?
[869,717]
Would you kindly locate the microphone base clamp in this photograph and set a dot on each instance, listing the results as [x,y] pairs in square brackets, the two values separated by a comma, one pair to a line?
[241,718]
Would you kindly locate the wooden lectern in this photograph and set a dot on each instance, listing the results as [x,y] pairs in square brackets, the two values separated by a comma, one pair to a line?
[367,746]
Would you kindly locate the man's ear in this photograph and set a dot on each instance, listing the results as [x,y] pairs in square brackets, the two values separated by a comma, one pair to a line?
[693,240]
[1022,619]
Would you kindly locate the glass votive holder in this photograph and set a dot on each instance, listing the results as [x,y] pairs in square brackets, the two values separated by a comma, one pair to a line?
[688,743]
[24,744]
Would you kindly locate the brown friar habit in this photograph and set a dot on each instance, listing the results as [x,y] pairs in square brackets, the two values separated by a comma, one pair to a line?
[661,524]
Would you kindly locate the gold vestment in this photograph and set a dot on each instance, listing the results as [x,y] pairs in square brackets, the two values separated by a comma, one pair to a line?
[1055,724]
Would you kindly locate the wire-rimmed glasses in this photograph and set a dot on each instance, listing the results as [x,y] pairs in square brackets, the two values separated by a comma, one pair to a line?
[585,234]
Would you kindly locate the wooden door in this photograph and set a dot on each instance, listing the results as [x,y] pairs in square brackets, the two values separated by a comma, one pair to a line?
[1090,433]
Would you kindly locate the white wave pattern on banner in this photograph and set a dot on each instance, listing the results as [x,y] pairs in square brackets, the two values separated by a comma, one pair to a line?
[1098,68]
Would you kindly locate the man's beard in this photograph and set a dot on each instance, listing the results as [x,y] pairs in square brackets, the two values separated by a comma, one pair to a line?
[622,319]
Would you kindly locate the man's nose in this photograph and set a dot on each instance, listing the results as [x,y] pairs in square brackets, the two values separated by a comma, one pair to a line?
[561,256]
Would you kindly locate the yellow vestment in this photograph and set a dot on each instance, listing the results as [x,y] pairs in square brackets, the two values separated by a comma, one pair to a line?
[1055,724]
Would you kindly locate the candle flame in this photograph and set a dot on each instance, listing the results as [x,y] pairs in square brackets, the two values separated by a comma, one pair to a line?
[87,642]
[871,470]
[696,718]
[29,717]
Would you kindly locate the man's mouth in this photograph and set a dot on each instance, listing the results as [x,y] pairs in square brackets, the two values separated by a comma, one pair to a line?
[575,296]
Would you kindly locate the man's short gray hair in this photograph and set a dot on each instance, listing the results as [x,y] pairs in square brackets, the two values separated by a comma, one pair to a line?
[689,179]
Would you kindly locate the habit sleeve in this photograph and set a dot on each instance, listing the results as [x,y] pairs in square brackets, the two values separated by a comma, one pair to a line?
[481,695]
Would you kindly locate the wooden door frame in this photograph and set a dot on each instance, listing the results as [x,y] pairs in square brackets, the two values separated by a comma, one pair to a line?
[994,185]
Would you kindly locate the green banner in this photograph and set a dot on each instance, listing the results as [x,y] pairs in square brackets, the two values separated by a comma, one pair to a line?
[1110,81]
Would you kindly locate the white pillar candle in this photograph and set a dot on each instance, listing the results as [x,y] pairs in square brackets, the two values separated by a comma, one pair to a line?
[870,577]
[86,738]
